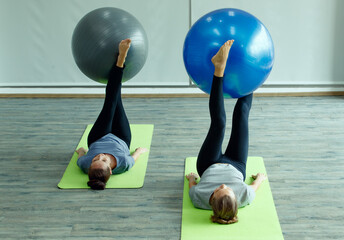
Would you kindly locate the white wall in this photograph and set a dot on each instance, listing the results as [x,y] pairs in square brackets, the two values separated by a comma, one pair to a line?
[36,35]
[35,41]
[307,34]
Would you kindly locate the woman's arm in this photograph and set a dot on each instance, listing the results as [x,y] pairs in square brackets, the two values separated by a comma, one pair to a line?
[138,152]
[81,152]
[192,177]
[258,179]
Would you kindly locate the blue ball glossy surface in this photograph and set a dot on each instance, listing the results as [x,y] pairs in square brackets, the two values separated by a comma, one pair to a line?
[250,59]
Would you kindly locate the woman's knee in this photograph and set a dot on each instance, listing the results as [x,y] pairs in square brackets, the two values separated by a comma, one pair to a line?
[246,101]
[218,123]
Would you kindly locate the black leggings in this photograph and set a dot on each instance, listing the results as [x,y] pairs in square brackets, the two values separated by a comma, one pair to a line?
[112,118]
[237,149]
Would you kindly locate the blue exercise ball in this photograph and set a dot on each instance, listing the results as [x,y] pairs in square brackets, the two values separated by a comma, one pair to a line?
[250,59]
[95,43]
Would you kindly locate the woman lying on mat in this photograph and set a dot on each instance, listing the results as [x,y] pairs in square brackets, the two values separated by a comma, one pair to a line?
[222,187]
[110,136]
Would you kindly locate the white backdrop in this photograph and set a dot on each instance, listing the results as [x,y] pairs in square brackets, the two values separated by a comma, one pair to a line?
[308,36]
[35,43]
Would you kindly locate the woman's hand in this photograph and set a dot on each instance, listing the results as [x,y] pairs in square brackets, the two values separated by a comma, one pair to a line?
[258,179]
[81,151]
[138,152]
[141,150]
[192,176]
[260,176]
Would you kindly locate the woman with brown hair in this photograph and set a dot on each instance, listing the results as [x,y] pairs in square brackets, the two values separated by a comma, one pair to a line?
[222,187]
[110,137]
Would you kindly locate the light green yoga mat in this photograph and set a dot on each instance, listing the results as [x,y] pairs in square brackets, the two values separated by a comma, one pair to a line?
[142,135]
[258,220]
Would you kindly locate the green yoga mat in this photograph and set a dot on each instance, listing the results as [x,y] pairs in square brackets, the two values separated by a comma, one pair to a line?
[142,135]
[258,220]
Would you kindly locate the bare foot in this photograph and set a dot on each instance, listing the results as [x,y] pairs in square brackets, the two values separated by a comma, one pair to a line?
[220,58]
[123,49]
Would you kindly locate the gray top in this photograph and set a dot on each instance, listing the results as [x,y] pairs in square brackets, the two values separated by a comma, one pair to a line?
[212,178]
[112,145]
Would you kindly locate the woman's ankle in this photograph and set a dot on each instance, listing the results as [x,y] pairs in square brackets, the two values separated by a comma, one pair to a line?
[219,72]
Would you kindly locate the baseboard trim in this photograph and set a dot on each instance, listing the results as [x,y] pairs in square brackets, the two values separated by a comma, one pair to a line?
[172,95]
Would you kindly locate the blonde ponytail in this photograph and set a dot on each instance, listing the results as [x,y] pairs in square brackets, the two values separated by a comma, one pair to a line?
[223,221]
[225,210]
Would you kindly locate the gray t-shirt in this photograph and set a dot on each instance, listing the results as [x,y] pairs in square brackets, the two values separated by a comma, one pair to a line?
[112,145]
[212,178]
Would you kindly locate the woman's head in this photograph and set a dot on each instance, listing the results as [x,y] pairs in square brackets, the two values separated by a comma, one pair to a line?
[224,205]
[99,172]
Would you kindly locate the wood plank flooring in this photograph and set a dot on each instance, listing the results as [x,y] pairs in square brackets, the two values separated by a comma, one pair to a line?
[300,138]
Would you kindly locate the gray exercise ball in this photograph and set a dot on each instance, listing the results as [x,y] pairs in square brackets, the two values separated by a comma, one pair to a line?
[95,43]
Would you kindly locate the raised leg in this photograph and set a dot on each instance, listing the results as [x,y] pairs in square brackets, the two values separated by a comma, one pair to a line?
[237,149]
[104,123]
[211,150]
[120,123]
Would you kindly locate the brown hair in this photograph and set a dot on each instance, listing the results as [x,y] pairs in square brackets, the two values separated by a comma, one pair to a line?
[225,210]
[98,178]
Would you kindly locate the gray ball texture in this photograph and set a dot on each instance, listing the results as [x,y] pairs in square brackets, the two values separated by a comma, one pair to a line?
[95,43]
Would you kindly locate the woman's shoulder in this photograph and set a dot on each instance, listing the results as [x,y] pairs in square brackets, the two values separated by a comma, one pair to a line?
[84,162]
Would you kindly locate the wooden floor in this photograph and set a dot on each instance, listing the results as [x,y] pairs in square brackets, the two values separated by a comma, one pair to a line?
[300,138]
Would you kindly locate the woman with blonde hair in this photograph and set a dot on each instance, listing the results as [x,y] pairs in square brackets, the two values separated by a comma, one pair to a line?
[222,187]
